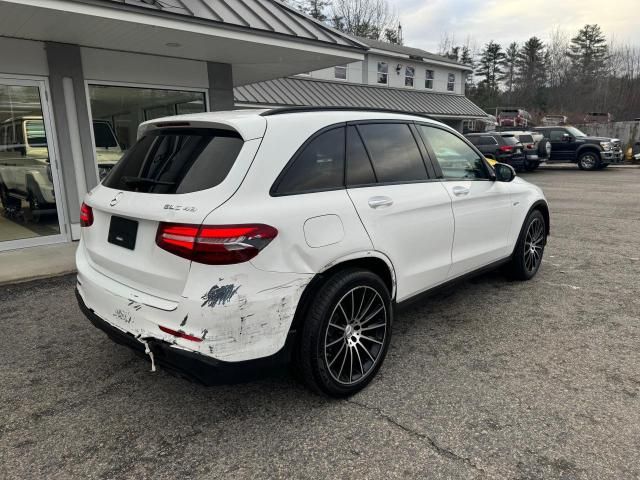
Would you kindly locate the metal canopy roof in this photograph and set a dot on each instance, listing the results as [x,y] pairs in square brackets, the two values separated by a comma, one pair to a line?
[269,16]
[322,93]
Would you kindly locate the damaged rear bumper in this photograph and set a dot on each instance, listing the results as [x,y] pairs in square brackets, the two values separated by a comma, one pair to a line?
[191,365]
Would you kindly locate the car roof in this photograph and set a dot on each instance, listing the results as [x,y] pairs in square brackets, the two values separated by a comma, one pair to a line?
[251,123]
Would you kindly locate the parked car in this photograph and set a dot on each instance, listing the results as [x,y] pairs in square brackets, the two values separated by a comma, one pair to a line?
[554,120]
[293,233]
[536,148]
[568,144]
[598,117]
[25,171]
[513,117]
[505,148]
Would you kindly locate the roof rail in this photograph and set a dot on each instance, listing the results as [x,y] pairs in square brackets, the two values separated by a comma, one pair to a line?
[302,109]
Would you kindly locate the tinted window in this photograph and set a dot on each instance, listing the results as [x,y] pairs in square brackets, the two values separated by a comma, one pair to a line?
[359,169]
[176,161]
[394,152]
[474,140]
[510,140]
[319,166]
[526,138]
[455,157]
[555,135]
[486,140]
[36,136]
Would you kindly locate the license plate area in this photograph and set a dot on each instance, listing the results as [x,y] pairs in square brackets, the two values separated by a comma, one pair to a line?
[123,232]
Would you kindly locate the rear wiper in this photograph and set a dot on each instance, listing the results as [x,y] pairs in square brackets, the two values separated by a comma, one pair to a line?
[144,181]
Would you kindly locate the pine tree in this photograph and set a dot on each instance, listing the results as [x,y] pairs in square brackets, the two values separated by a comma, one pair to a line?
[313,8]
[531,64]
[510,65]
[588,52]
[490,66]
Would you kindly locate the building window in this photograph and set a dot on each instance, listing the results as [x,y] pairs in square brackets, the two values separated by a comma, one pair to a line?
[451,82]
[340,72]
[117,111]
[383,72]
[428,81]
[409,73]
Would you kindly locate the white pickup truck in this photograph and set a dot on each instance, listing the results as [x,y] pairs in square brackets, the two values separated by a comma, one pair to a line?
[25,170]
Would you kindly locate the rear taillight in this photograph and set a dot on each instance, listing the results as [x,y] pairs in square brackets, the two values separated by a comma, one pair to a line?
[505,149]
[86,215]
[215,244]
[530,146]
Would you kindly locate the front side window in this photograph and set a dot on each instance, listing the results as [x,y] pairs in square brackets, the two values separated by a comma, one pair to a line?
[428,81]
[394,153]
[556,135]
[383,73]
[457,160]
[340,72]
[451,82]
[319,166]
[408,76]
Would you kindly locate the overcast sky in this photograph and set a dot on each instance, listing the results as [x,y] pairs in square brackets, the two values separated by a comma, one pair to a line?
[504,21]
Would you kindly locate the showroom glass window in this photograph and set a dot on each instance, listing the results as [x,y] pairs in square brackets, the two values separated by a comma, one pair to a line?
[117,111]
[27,196]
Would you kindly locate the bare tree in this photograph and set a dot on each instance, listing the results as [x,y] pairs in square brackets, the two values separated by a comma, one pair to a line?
[364,18]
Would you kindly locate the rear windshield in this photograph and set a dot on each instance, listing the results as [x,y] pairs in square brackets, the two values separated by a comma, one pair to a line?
[176,161]
[510,140]
[103,135]
[509,113]
[526,138]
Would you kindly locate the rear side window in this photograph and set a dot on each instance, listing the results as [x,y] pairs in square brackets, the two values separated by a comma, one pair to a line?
[394,152]
[319,166]
[176,161]
[486,140]
[510,140]
[359,168]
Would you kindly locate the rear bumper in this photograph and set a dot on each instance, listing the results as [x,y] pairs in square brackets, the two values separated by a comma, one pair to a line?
[191,365]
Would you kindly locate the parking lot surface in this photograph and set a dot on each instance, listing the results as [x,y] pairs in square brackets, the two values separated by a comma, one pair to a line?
[490,379]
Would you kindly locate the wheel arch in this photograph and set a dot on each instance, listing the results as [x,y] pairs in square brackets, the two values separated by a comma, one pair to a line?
[588,147]
[371,260]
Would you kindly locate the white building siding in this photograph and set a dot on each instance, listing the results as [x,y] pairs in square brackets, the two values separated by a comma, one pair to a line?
[397,80]
[23,57]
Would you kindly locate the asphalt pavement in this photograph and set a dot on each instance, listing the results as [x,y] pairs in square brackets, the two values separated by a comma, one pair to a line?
[490,379]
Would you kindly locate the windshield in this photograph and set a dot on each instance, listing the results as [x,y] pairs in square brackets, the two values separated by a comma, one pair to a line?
[36,136]
[575,132]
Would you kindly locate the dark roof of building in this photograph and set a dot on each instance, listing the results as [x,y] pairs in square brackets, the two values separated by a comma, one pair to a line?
[323,93]
[412,52]
[270,16]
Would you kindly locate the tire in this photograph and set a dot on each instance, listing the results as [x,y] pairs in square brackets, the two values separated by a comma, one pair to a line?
[34,207]
[589,161]
[350,302]
[544,148]
[527,256]
[10,204]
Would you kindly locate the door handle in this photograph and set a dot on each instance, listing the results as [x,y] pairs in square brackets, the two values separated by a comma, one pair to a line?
[460,191]
[380,202]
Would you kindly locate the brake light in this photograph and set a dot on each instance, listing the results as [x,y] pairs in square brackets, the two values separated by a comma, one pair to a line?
[215,244]
[506,149]
[86,215]
[179,334]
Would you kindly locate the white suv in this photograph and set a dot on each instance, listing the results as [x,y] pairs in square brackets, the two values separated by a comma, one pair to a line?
[247,237]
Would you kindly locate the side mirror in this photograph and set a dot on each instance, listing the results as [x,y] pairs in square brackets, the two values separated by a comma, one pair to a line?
[566,137]
[504,172]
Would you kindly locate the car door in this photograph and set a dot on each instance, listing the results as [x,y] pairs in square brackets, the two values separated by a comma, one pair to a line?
[561,149]
[482,207]
[406,212]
